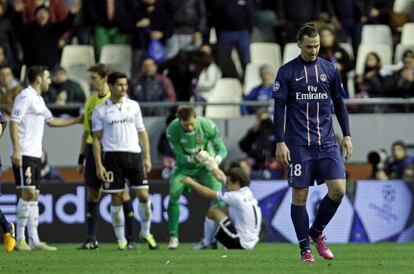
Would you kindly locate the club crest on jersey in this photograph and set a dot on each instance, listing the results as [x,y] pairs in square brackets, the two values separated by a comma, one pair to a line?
[276,86]
[323,77]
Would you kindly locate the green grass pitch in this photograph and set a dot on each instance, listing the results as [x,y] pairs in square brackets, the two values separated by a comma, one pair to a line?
[266,258]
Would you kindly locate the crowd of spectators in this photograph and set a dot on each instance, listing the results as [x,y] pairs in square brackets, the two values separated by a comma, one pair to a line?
[181,49]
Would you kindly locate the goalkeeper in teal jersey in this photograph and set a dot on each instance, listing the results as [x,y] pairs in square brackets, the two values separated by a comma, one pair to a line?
[190,137]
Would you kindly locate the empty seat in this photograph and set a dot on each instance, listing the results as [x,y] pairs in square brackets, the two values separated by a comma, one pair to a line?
[376,34]
[266,53]
[227,90]
[384,51]
[117,57]
[290,52]
[407,34]
[78,54]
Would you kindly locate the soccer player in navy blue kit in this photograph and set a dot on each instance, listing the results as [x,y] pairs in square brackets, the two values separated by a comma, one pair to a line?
[305,90]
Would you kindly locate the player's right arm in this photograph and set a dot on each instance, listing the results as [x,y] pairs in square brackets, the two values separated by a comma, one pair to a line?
[81,158]
[181,157]
[280,95]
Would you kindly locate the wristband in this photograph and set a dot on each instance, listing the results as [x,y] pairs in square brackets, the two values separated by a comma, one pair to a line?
[81,159]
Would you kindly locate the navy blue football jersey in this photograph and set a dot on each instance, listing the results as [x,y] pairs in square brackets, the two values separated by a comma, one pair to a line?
[308,89]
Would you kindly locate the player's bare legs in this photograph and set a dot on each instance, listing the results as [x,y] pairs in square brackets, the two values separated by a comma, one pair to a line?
[144,211]
[327,209]
[300,221]
[217,214]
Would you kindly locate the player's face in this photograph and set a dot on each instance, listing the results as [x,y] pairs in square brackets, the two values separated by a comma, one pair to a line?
[398,152]
[95,81]
[120,87]
[188,125]
[45,81]
[6,76]
[309,48]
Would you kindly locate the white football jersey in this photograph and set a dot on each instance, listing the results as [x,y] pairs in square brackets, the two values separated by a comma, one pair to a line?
[245,214]
[30,112]
[120,125]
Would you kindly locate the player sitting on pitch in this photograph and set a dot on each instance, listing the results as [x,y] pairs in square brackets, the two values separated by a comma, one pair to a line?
[238,223]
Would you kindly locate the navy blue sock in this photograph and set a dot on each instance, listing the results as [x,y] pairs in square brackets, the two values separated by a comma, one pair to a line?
[129,220]
[300,221]
[327,210]
[5,225]
[91,210]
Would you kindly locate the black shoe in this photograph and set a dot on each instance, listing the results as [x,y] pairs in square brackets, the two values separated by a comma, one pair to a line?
[89,245]
[131,245]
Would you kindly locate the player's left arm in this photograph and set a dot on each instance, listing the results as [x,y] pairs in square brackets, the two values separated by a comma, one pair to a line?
[342,115]
[143,139]
[145,144]
[217,141]
[204,191]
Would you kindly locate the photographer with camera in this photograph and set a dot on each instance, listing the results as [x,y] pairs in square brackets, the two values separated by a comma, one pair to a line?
[399,166]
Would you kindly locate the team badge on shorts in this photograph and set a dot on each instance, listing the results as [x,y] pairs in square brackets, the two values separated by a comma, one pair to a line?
[276,86]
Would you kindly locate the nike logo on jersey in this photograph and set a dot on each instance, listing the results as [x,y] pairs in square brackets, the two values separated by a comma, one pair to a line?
[298,79]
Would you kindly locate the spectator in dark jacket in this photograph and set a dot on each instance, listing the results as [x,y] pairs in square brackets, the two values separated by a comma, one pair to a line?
[294,13]
[64,90]
[8,40]
[233,20]
[152,87]
[9,88]
[259,142]
[331,51]
[114,21]
[403,80]
[348,16]
[372,83]
[379,11]
[188,21]
[40,39]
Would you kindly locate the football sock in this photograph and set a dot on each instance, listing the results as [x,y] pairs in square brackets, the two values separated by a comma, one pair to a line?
[118,222]
[5,225]
[300,220]
[33,223]
[144,210]
[327,210]
[91,209]
[173,216]
[129,220]
[209,231]
[22,215]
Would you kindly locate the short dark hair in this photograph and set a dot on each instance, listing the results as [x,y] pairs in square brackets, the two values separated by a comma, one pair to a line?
[399,143]
[34,71]
[185,112]
[308,29]
[4,66]
[101,69]
[237,174]
[114,76]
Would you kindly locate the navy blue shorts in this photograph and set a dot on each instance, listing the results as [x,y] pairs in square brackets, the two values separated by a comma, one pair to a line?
[310,163]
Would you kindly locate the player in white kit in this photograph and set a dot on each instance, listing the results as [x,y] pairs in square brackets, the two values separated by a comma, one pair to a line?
[119,132]
[27,120]
[238,224]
